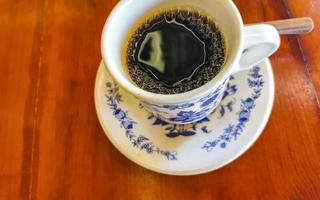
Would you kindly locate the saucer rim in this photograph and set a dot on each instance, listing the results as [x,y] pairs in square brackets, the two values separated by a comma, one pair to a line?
[245,147]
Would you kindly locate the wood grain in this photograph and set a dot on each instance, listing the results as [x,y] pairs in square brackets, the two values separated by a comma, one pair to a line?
[308,44]
[19,56]
[52,146]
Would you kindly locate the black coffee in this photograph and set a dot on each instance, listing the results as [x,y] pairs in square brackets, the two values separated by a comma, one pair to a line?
[174,52]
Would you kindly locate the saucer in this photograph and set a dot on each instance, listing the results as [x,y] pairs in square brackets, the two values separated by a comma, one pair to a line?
[194,148]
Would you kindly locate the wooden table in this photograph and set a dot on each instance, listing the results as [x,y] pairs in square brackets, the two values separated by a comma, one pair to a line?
[51,143]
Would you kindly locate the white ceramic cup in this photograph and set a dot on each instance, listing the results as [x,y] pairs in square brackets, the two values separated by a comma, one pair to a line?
[246,46]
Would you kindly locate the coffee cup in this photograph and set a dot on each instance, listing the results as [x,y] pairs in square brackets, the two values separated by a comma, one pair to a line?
[246,46]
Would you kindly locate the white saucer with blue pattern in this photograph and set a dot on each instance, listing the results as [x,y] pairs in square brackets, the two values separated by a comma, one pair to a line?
[187,149]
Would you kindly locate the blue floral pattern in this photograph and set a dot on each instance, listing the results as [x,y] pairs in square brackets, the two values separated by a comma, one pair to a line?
[143,143]
[229,134]
[188,112]
[230,90]
[232,131]
[189,116]
[214,93]
[176,130]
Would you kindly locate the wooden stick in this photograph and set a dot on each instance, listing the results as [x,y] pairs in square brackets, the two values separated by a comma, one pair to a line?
[292,26]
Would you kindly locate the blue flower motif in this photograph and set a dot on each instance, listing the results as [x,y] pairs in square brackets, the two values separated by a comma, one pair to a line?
[170,156]
[234,130]
[184,116]
[230,90]
[223,145]
[205,129]
[119,114]
[173,130]
[244,116]
[113,100]
[189,116]
[186,130]
[248,103]
[127,124]
[159,122]
[255,73]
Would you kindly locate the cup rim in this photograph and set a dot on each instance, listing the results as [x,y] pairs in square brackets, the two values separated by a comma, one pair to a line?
[170,98]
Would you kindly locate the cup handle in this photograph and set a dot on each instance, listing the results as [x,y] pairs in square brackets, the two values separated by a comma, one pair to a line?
[260,42]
